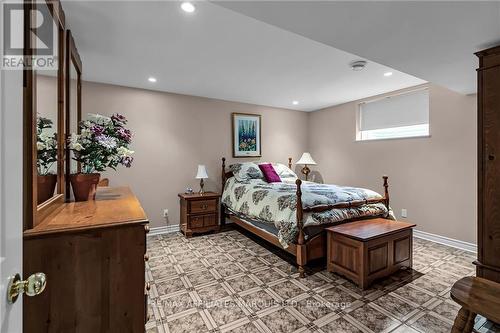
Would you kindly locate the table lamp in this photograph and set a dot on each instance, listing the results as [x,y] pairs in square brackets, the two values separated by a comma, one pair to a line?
[306,160]
[202,174]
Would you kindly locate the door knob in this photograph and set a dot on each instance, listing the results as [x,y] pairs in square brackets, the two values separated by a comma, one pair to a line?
[33,286]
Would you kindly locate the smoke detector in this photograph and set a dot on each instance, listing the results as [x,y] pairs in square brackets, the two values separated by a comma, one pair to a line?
[358,65]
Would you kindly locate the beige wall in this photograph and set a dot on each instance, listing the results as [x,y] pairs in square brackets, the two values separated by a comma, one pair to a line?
[433,178]
[174,133]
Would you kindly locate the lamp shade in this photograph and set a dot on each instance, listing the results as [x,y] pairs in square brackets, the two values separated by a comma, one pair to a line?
[306,159]
[202,172]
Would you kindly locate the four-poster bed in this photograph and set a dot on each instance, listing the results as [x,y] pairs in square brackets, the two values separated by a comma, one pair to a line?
[304,248]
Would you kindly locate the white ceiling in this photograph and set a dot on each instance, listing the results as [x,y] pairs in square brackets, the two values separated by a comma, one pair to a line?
[433,40]
[218,53]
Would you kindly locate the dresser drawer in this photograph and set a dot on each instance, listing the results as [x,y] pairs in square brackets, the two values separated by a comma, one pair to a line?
[79,263]
[146,306]
[203,206]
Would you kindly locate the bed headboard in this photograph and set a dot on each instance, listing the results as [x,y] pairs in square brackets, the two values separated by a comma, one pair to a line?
[228,174]
[225,175]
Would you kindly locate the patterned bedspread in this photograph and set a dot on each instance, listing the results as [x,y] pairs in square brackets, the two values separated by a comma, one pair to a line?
[276,203]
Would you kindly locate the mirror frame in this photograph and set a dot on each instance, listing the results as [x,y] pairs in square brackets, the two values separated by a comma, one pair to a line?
[72,58]
[34,212]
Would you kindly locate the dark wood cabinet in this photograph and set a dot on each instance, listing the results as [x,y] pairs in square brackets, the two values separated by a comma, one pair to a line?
[93,256]
[488,262]
[199,212]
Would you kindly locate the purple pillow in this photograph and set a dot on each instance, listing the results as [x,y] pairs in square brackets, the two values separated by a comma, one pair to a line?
[269,173]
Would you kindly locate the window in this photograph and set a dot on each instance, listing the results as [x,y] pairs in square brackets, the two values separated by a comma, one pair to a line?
[400,116]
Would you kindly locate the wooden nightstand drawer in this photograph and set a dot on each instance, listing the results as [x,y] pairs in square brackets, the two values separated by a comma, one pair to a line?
[202,221]
[209,220]
[195,222]
[203,206]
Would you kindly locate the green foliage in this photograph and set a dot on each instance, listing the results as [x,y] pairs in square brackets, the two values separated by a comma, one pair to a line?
[46,145]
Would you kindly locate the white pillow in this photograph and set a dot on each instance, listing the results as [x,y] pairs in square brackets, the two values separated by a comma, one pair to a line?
[250,170]
[245,171]
[284,172]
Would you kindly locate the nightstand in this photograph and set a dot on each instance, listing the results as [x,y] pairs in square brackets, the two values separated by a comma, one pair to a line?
[199,212]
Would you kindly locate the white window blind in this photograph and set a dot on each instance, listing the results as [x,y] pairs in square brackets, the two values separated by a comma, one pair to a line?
[403,110]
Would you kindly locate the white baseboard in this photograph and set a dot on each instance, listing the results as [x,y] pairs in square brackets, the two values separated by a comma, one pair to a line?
[470,247]
[446,241]
[168,229]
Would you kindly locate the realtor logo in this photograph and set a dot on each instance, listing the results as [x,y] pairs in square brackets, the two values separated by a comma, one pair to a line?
[41,30]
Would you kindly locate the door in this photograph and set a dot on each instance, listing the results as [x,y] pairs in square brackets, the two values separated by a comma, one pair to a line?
[11,193]
[11,177]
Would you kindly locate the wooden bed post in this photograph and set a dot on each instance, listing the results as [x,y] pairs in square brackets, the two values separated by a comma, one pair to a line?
[301,247]
[222,208]
[223,173]
[386,192]
[289,163]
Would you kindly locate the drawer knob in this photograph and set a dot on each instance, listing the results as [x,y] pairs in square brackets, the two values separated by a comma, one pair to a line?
[148,286]
[146,257]
[146,228]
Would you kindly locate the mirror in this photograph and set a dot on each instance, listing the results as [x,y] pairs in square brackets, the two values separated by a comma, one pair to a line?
[73,105]
[47,119]
[73,110]
[43,111]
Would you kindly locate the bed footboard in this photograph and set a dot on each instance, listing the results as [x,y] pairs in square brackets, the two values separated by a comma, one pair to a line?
[309,250]
[301,243]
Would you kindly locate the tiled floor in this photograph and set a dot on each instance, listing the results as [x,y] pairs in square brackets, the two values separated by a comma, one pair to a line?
[227,282]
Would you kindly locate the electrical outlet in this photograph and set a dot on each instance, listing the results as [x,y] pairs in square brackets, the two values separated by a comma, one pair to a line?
[404,213]
[165,212]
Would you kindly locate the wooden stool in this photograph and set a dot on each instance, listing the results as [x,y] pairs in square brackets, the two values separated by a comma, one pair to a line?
[476,296]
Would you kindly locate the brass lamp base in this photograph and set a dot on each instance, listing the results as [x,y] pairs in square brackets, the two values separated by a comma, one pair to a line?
[306,171]
[201,187]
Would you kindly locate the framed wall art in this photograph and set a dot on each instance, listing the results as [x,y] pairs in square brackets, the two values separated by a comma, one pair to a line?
[246,135]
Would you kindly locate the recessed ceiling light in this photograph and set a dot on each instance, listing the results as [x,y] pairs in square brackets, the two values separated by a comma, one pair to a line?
[295,102]
[357,65]
[188,7]
[152,79]
[387,73]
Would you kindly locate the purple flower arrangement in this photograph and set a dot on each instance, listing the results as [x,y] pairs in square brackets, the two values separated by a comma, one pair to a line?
[103,143]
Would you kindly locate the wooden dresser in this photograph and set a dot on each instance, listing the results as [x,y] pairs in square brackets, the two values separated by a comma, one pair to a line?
[488,95]
[93,256]
[199,212]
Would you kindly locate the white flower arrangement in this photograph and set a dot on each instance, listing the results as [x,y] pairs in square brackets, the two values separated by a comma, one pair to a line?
[46,145]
